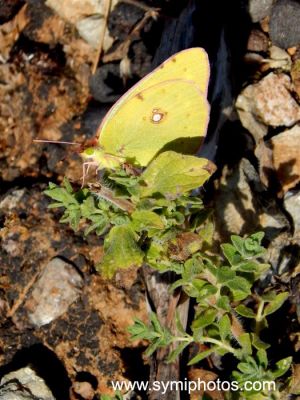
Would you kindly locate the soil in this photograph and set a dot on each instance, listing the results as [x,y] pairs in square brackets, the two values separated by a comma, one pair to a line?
[56,84]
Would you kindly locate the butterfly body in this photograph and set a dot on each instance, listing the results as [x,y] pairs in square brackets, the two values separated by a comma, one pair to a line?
[166,110]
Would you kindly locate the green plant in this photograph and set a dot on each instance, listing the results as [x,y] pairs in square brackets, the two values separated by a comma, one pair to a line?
[156,217]
[218,290]
[140,216]
[116,396]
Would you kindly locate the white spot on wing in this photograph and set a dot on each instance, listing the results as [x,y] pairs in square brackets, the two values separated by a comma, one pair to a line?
[157,115]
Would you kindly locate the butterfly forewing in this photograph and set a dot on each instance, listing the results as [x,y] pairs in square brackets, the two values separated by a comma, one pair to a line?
[190,64]
[171,115]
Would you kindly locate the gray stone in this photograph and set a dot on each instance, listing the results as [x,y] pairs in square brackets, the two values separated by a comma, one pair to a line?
[292,205]
[56,289]
[268,102]
[259,9]
[284,23]
[24,384]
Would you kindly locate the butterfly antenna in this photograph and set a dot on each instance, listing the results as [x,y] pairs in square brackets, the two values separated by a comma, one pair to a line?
[54,141]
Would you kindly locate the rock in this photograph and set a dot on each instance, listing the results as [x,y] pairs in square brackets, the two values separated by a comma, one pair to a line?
[24,384]
[286,162]
[284,23]
[57,288]
[279,59]
[259,9]
[268,102]
[292,205]
[84,390]
[87,16]
[295,71]
[243,205]
[11,201]
[257,41]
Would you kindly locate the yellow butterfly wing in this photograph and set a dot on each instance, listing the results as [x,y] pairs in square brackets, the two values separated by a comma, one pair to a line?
[171,115]
[190,64]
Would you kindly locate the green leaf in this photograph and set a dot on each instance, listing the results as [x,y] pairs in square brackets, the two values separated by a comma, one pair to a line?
[61,195]
[88,207]
[179,325]
[204,319]
[175,353]
[225,274]
[245,311]
[230,253]
[262,358]
[245,342]
[248,266]
[172,174]
[67,185]
[239,287]
[224,327]
[201,356]
[238,243]
[143,220]
[206,291]
[258,343]
[224,303]
[139,330]
[120,251]
[282,367]
[276,303]
[252,243]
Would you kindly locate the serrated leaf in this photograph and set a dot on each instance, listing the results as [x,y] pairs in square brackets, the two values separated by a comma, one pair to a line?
[121,251]
[61,195]
[172,173]
[88,207]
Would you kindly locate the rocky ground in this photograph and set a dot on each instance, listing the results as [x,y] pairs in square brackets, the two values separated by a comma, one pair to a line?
[62,64]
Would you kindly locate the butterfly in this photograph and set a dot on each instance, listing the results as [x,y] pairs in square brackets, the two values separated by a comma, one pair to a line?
[166,110]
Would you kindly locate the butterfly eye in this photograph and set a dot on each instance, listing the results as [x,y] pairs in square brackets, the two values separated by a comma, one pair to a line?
[89,151]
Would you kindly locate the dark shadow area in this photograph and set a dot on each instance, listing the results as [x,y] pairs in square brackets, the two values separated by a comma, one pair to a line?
[278,334]
[84,376]
[23,182]
[47,366]
[183,145]
[54,55]
[135,367]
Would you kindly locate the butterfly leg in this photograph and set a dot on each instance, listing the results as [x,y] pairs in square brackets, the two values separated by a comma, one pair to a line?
[85,170]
